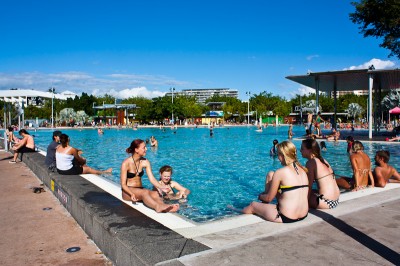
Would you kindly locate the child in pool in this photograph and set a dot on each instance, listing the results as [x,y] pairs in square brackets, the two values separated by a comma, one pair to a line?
[166,180]
[323,145]
[273,151]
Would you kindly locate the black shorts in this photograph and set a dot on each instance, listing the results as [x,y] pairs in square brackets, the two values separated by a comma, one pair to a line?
[75,170]
[25,149]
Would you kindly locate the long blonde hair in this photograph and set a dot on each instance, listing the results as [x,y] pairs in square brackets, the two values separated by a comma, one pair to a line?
[289,153]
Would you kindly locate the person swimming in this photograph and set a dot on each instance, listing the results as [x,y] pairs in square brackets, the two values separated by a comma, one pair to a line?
[273,151]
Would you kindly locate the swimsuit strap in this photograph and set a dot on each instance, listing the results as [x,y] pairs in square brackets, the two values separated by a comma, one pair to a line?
[333,176]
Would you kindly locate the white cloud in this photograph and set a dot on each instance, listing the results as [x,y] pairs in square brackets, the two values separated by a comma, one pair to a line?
[303,90]
[117,85]
[136,92]
[311,57]
[378,64]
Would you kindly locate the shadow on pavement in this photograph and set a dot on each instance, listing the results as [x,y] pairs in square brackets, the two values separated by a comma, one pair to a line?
[380,249]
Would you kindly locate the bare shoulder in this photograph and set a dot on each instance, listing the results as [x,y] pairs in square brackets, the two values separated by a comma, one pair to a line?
[126,161]
[312,163]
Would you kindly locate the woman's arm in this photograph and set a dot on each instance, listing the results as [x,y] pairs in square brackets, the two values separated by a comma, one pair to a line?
[123,178]
[78,158]
[356,172]
[274,186]
[21,143]
[184,192]
[311,174]
[371,178]
[146,164]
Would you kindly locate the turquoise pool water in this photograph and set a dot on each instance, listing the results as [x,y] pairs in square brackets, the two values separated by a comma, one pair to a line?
[228,168]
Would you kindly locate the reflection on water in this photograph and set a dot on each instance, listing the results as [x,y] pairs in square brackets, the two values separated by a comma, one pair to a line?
[227,169]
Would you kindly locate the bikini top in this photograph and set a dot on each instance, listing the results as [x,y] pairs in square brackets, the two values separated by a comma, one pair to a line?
[132,175]
[139,174]
[283,189]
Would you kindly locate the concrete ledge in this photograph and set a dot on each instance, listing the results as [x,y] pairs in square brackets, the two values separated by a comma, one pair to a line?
[126,236]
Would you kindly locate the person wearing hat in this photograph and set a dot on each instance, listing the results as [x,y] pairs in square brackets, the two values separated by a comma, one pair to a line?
[51,150]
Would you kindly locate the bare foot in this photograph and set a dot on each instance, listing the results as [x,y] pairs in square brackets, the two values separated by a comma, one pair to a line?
[233,208]
[172,208]
[108,171]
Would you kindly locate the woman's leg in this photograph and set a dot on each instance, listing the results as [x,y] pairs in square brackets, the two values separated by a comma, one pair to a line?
[344,182]
[15,156]
[267,211]
[152,202]
[88,170]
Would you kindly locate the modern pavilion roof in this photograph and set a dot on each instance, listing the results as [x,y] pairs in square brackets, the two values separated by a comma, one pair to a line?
[350,80]
[116,106]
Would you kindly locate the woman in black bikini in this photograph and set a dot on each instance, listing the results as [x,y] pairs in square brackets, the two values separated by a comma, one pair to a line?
[289,185]
[319,171]
[132,170]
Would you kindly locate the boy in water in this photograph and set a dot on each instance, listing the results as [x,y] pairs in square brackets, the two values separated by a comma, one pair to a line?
[383,172]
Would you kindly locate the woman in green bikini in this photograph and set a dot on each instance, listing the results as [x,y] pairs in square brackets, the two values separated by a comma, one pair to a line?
[289,185]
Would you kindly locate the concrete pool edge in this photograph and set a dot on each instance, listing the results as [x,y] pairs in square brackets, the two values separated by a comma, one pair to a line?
[125,235]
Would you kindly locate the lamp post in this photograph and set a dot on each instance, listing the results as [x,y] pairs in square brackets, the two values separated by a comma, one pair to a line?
[248,107]
[172,90]
[52,89]
[301,112]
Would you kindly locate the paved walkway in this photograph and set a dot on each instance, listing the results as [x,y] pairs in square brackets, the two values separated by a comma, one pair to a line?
[35,229]
[366,237]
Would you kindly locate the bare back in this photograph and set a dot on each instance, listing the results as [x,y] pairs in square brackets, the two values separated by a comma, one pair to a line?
[361,165]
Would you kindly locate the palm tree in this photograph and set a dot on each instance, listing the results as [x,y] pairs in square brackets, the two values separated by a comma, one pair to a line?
[354,110]
[391,100]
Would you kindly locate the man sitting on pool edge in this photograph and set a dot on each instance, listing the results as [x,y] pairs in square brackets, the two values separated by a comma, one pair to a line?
[383,172]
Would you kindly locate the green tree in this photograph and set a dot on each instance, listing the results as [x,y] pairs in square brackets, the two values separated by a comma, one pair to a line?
[187,107]
[161,108]
[344,101]
[380,19]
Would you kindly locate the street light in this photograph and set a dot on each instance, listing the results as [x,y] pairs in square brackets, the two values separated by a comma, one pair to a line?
[172,90]
[248,107]
[52,89]
[301,112]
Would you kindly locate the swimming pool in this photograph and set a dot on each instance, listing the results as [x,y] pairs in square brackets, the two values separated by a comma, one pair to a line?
[226,169]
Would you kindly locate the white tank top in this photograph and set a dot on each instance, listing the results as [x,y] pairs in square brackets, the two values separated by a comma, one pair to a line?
[64,160]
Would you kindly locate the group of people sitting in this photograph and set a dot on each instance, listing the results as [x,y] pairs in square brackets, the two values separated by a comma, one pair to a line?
[132,170]
[292,185]
[66,159]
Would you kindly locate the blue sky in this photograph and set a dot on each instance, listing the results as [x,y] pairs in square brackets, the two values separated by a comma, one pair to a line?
[143,48]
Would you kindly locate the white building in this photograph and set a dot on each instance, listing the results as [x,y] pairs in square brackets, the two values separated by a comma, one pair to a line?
[31,97]
[203,94]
